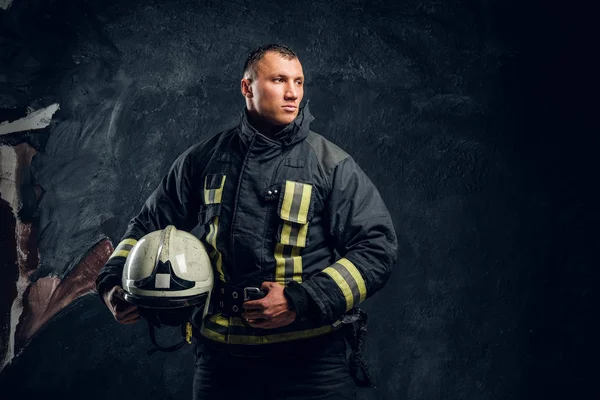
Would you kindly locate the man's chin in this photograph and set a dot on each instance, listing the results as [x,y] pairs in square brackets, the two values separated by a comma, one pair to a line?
[286,119]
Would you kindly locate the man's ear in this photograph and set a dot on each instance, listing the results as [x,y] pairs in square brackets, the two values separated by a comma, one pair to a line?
[246,89]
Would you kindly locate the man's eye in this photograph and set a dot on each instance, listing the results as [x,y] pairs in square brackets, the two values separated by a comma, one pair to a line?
[278,80]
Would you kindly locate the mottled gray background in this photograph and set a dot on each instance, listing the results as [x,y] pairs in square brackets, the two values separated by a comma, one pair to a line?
[452,108]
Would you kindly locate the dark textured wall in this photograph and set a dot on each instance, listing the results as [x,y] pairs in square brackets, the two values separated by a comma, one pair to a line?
[448,106]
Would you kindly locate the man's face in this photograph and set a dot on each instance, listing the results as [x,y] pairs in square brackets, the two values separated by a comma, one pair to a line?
[276,92]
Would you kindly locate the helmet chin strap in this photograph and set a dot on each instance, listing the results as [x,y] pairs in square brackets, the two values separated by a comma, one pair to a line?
[168,349]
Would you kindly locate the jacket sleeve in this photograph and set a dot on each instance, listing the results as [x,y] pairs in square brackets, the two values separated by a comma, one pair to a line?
[363,234]
[174,202]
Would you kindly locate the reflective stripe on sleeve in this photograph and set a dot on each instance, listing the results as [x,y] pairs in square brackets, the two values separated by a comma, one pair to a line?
[123,248]
[350,281]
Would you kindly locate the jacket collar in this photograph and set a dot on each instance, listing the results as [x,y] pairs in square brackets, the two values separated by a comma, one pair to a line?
[292,133]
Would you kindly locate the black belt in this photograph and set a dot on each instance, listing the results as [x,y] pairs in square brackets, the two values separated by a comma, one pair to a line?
[228,300]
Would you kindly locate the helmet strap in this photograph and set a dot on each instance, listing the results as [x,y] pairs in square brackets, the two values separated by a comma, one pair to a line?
[158,347]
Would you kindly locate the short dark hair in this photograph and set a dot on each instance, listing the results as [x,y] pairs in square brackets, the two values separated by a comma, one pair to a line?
[256,55]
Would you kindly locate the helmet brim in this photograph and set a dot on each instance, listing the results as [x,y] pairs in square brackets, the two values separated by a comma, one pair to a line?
[165,302]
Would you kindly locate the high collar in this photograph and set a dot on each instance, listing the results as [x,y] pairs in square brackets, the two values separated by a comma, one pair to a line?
[292,133]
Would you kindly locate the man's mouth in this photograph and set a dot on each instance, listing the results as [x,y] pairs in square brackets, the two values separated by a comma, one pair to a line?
[289,108]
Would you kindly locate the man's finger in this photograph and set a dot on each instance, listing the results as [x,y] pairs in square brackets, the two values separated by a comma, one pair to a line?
[260,323]
[254,315]
[266,285]
[124,308]
[254,305]
[120,294]
[121,316]
[126,311]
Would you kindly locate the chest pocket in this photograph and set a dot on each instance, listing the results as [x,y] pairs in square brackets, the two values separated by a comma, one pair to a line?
[295,209]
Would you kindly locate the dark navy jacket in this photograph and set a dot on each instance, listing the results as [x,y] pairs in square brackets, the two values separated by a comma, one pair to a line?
[294,209]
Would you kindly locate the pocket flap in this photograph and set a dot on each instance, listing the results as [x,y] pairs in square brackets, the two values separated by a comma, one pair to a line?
[295,202]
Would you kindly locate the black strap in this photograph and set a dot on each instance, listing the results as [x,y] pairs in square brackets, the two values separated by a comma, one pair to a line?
[158,347]
[357,332]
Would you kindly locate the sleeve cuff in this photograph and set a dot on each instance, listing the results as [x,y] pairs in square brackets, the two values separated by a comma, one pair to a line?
[107,283]
[298,298]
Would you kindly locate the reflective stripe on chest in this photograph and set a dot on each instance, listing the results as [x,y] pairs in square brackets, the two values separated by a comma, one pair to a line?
[213,193]
[295,211]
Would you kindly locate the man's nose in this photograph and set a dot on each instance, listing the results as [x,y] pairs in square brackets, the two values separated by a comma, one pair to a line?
[291,92]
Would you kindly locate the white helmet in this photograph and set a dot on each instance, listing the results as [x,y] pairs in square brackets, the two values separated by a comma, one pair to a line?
[168,274]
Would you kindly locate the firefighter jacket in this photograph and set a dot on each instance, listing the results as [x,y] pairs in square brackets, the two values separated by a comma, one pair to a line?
[293,207]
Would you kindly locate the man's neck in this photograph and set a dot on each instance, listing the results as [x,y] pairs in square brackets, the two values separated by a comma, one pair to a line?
[262,126]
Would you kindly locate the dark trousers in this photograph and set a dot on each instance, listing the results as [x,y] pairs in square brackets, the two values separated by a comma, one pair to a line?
[315,368]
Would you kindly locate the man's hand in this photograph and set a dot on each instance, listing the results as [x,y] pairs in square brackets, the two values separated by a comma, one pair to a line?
[124,312]
[272,311]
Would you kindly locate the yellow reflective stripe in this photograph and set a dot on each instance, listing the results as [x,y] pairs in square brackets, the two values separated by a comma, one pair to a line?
[304,204]
[360,282]
[266,339]
[188,332]
[123,248]
[288,198]
[220,320]
[301,202]
[297,260]
[350,281]
[341,282]
[217,194]
[131,242]
[286,230]
[210,334]
[211,238]
[226,322]
[213,228]
[120,253]
[219,191]
[296,239]
[279,264]
[293,211]
[301,240]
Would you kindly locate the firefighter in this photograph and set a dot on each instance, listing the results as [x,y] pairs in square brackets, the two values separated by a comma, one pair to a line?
[297,234]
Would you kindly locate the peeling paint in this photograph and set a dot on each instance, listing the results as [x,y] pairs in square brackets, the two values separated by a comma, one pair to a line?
[8,186]
[8,192]
[15,314]
[35,120]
